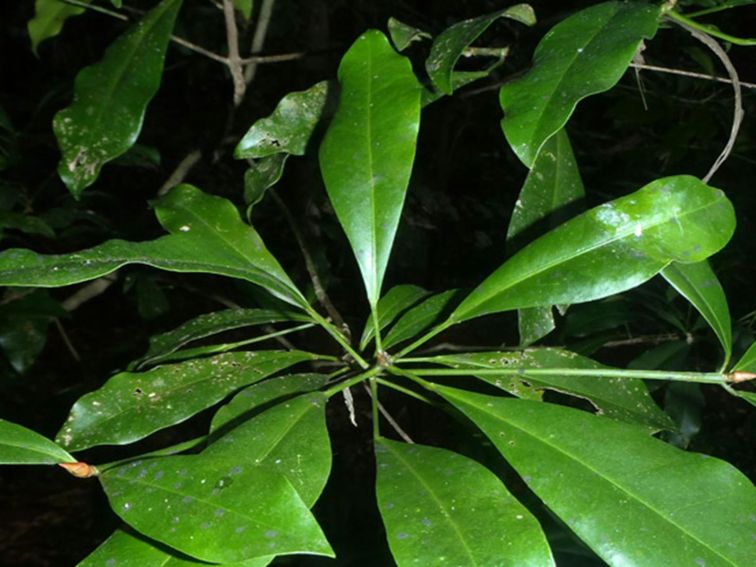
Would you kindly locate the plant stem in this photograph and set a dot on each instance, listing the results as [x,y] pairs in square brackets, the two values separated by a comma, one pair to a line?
[402,389]
[234,59]
[376,329]
[338,337]
[374,409]
[677,16]
[349,382]
[424,339]
[700,377]
[95,8]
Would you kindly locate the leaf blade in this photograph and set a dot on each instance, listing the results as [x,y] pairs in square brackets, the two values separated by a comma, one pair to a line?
[22,446]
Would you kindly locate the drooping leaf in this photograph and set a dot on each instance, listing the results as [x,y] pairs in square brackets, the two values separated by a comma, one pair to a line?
[25,223]
[585,54]
[210,324]
[291,125]
[245,8]
[543,368]
[459,79]
[110,99]
[432,516]
[397,299]
[48,20]
[403,35]
[125,548]
[611,248]
[263,393]
[208,236]
[420,317]
[750,397]
[141,156]
[131,405]
[22,446]
[551,187]
[630,497]
[699,284]
[261,176]
[214,509]
[290,438]
[451,44]
[367,154]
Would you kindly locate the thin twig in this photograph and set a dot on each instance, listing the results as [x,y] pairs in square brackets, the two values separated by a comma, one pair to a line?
[198,49]
[692,74]
[279,58]
[89,291]
[258,39]
[181,171]
[69,345]
[234,59]
[645,339]
[390,419]
[737,111]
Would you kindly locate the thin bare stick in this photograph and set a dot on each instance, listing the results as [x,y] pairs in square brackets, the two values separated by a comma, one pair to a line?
[198,49]
[692,74]
[89,291]
[234,59]
[280,58]
[69,345]
[737,111]
[317,286]
[181,171]
[392,422]
[258,39]
[642,340]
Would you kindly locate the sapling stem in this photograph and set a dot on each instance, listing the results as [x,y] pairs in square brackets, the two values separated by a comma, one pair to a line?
[338,337]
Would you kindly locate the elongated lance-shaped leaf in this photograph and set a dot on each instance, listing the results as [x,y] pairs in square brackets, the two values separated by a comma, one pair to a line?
[747,362]
[398,299]
[615,486]
[611,248]
[620,398]
[699,284]
[367,154]
[22,446]
[420,317]
[450,44]
[125,548]
[48,20]
[215,509]
[551,187]
[208,236]
[131,405]
[291,125]
[210,324]
[110,99]
[432,516]
[290,438]
[583,55]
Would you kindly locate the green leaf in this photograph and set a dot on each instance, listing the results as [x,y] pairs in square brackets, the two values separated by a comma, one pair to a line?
[397,299]
[110,99]
[750,397]
[245,7]
[208,236]
[619,398]
[290,438]
[22,446]
[25,223]
[452,43]
[633,499]
[367,154]
[261,176]
[674,219]
[432,516]
[127,549]
[403,35]
[291,125]
[699,284]
[48,20]
[551,187]
[217,510]
[131,405]
[747,362]
[420,317]
[585,54]
[210,324]
[263,393]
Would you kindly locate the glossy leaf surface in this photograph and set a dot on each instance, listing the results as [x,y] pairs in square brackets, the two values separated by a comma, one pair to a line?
[747,362]
[22,446]
[403,35]
[289,438]
[390,306]
[630,497]
[584,54]
[432,516]
[49,18]
[451,44]
[621,398]
[214,509]
[261,176]
[110,99]
[553,185]
[420,317]
[208,236]
[131,405]
[367,154]
[699,284]
[210,324]
[671,219]
[291,125]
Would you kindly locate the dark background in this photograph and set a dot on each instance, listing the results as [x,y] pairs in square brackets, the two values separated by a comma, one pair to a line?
[464,185]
